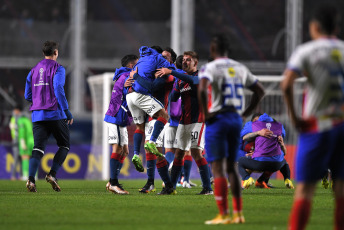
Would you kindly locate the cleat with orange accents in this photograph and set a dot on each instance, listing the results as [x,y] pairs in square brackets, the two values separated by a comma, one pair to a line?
[261,185]
[238,218]
[219,219]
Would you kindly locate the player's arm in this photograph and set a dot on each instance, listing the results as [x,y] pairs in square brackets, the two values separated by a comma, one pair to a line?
[58,82]
[281,143]
[252,136]
[28,90]
[203,97]
[258,93]
[184,77]
[287,89]
[21,135]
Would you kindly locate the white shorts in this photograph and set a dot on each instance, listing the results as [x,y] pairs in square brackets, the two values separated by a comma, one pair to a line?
[190,136]
[170,136]
[149,131]
[117,134]
[140,105]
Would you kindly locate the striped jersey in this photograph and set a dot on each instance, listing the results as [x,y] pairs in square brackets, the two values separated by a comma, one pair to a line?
[228,78]
[191,111]
[322,62]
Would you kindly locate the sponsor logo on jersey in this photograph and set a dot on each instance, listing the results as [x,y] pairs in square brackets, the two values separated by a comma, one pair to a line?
[268,126]
[231,72]
[185,89]
[41,70]
[336,55]
[111,138]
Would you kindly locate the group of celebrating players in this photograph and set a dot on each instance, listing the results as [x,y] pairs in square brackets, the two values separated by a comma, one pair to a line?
[186,111]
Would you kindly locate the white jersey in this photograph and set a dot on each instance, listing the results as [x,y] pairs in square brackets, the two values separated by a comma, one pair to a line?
[228,78]
[322,62]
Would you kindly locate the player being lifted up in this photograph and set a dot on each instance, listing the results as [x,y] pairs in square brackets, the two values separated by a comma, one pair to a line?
[141,102]
[322,124]
[223,81]
[161,88]
[190,132]
[117,121]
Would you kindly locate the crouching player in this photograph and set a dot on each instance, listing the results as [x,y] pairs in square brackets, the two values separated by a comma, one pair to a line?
[225,80]
[117,119]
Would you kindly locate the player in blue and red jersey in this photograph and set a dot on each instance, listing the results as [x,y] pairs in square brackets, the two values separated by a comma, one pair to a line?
[221,83]
[141,102]
[190,132]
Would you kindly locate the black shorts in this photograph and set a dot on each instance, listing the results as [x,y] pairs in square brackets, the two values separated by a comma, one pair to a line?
[42,130]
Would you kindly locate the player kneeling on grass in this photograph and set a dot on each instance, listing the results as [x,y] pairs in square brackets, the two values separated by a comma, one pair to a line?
[117,120]
[248,138]
[226,79]
[50,113]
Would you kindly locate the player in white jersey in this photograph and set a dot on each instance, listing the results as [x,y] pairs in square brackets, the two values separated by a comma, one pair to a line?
[322,124]
[221,96]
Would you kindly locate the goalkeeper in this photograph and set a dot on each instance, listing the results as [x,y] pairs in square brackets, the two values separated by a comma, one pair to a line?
[21,132]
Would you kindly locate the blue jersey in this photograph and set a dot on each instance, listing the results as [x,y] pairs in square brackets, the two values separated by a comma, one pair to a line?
[150,60]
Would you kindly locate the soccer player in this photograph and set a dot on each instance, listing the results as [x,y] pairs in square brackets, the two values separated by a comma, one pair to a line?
[21,132]
[50,113]
[267,155]
[322,124]
[161,91]
[190,132]
[248,139]
[141,103]
[117,120]
[221,97]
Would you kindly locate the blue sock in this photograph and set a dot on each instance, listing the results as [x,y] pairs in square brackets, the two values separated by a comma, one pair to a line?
[59,158]
[114,168]
[138,135]
[169,156]
[204,172]
[33,166]
[151,169]
[187,170]
[176,171]
[158,127]
[163,172]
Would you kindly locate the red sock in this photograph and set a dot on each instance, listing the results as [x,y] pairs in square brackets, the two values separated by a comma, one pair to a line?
[237,204]
[300,213]
[339,214]
[221,194]
[122,159]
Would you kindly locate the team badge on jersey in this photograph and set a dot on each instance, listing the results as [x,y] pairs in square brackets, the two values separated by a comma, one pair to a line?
[231,71]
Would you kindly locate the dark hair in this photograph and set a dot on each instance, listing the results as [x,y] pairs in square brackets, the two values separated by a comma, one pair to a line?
[157,48]
[127,59]
[179,62]
[173,54]
[255,115]
[19,106]
[328,17]
[193,54]
[49,47]
[222,44]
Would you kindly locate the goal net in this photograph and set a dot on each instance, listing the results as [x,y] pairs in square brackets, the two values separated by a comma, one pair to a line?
[272,104]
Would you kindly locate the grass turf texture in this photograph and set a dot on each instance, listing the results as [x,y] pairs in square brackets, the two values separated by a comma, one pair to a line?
[86,205]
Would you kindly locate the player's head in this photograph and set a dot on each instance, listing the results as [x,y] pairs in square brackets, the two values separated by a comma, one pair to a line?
[129,60]
[324,21]
[18,108]
[169,55]
[158,49]
[255,116]
[50,49]
[179,62]
[190,61]
[219,46]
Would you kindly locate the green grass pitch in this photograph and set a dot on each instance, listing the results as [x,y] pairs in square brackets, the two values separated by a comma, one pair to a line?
[86,205]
